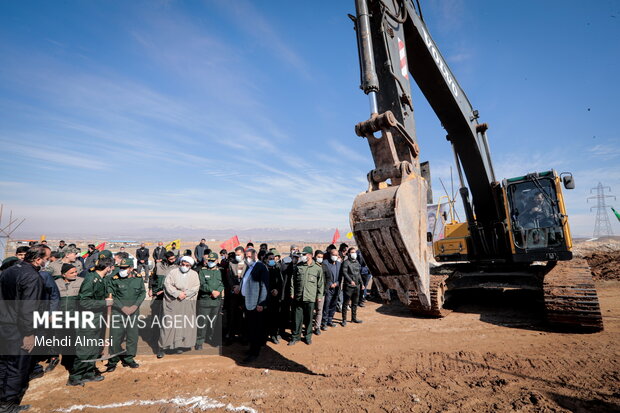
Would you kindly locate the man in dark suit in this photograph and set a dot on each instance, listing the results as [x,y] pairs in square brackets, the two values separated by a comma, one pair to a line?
[142,255]
[254,289]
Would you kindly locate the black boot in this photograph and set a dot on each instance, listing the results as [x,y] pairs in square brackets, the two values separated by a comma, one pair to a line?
[344,316]
[354,318]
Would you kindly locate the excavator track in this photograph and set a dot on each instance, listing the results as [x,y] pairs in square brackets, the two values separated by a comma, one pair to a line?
[438,290]
[570,297]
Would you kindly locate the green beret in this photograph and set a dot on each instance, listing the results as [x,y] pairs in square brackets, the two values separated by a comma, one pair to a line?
[105,254]
[126,262]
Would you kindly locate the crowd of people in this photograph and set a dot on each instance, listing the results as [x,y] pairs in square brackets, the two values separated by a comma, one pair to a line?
[246,295]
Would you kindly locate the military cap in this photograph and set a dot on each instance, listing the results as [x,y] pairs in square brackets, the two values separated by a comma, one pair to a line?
[212,256]
[307,250]
[7,262]
[274,252]
[105,254]
[126,262]
[70,250]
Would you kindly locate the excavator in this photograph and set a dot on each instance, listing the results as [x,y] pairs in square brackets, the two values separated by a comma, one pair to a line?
[515,234]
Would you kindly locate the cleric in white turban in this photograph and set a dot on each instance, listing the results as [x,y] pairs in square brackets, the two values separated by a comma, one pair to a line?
[178,331]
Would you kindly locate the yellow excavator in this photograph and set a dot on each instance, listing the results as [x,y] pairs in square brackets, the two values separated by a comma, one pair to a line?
[516,234]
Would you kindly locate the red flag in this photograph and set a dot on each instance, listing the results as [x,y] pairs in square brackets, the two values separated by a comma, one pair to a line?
[230,244]
[336,237]
[100,247]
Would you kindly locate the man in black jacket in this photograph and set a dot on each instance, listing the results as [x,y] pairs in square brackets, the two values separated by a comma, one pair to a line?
[159,253]
[331,269]
[351,273]
[142,255]
[23,283]
[199,250]
[274,298]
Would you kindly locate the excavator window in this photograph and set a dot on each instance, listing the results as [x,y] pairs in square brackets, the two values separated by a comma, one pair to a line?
[535,214]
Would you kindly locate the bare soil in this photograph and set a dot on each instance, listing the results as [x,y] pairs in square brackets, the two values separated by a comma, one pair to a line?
[493,353]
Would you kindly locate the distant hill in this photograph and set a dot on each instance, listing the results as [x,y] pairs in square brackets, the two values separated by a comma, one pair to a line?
[155,233]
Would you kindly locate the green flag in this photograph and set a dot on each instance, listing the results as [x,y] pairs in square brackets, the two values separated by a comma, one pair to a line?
[617,213]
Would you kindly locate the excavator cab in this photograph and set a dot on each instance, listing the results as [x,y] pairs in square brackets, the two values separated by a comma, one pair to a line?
[537,220]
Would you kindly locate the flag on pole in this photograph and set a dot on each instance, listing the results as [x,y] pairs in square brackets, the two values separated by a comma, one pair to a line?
[349,235]
[617,213]
[99,247]
[336,236]
[176,241]
[230,244]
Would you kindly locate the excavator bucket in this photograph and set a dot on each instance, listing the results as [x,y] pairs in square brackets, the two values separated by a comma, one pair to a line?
[389,226]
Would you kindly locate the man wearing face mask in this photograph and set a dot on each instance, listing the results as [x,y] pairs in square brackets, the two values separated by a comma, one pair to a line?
[93,297]
[156,287]
[142,255]
[180,295]
[20,282]
[209,300]
[288,265]
[274,297]
[318,307]
[254,290]
[306,289]
[127,289]
[234,312]
[352,276]
[331,269]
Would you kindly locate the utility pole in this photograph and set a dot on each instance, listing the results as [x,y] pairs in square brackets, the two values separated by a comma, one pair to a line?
[602,226]
[6,231]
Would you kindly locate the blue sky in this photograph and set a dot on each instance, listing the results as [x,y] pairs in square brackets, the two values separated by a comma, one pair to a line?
[117,116]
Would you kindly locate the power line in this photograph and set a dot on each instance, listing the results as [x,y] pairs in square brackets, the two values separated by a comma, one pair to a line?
[602,225]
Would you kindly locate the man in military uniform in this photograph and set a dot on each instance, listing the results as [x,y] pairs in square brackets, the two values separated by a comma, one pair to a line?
[209,299]
[69,289]
[127,289]
[352,280]
[306,289]
[92,297]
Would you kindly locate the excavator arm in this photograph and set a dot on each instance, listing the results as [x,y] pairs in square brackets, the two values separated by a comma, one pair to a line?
[389,219]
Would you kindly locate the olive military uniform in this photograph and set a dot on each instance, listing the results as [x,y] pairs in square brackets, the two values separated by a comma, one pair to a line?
[127,292]
[69,292]
[92,295]
[307,286]
[208,307]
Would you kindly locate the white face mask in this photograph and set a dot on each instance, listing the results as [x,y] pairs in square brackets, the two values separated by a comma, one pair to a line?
[239,258]
[353,255]
[210,264]
[319,260]
[184,269]
[303,258]
[44,263]
[287,260]
[123,273]
[249,261]
[334,258]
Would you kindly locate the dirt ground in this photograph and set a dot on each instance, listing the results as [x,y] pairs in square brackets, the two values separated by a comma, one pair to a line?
[493,353]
